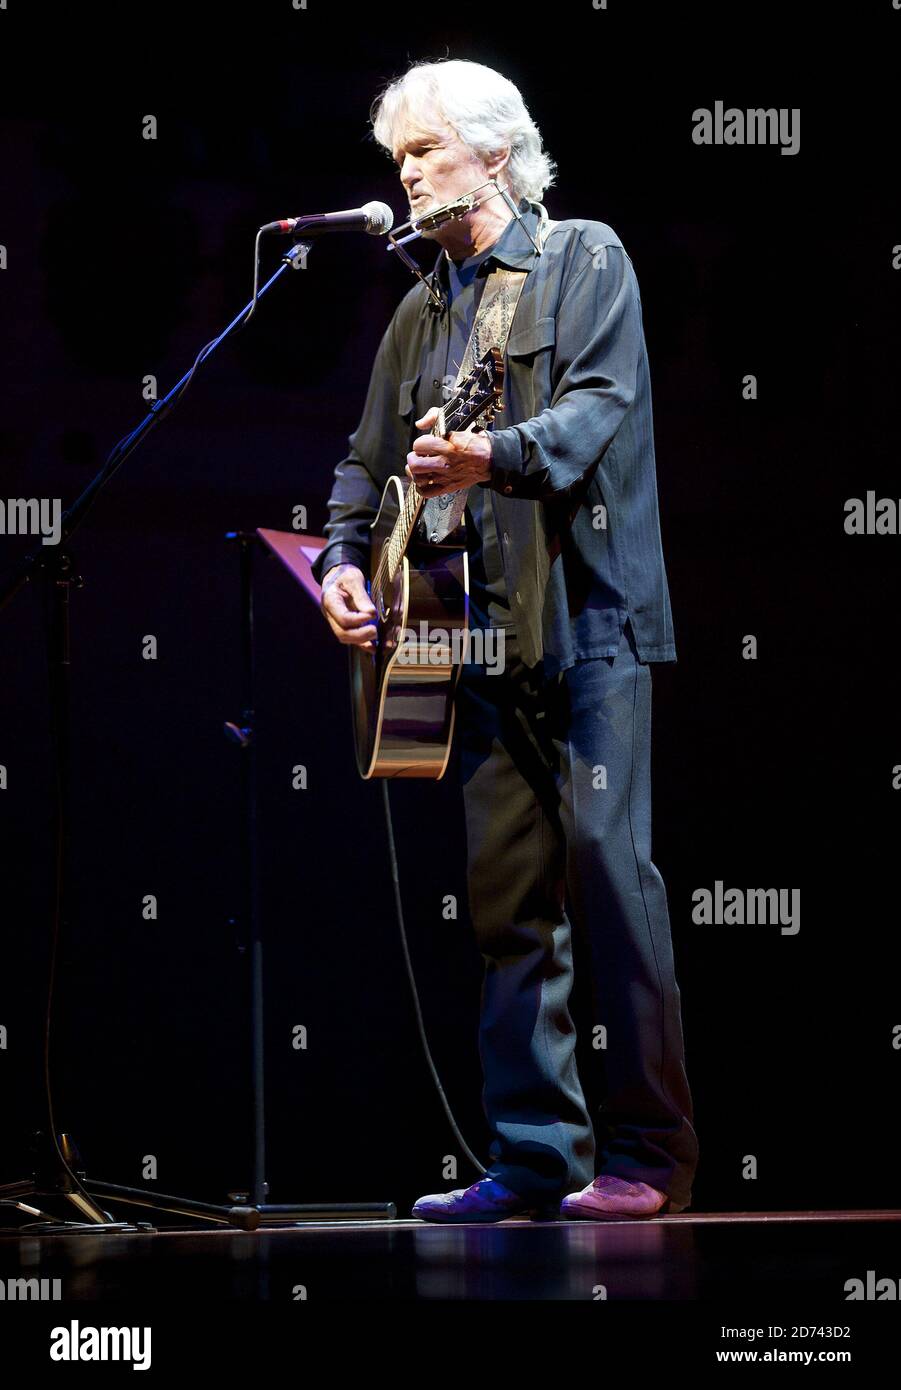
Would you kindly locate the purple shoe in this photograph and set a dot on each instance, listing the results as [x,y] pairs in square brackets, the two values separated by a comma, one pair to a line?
[609,1198]
[485,1200]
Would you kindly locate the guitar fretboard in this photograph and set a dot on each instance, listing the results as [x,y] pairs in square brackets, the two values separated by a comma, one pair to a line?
[396,546]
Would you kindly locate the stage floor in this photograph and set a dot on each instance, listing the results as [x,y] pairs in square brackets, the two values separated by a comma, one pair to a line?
[752,1257]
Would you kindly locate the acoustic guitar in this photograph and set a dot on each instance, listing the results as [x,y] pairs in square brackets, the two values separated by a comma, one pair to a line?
[402,693]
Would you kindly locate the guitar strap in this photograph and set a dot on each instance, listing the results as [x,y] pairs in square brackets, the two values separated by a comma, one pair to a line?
[442,514]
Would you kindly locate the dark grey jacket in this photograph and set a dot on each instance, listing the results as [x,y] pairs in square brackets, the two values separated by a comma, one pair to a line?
[573,483]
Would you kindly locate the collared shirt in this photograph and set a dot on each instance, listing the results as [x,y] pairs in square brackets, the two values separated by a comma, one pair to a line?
[573,475]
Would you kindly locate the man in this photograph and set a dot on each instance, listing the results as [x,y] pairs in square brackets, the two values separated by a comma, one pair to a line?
[565,557]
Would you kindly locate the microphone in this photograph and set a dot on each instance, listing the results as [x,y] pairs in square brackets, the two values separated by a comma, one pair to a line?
[374,218]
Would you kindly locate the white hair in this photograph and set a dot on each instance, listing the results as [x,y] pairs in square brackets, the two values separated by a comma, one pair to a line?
[484,108]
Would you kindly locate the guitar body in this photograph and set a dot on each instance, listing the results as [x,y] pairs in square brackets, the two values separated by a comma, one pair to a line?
[402,694]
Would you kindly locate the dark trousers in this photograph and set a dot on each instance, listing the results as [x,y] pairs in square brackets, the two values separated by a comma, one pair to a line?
[557,796]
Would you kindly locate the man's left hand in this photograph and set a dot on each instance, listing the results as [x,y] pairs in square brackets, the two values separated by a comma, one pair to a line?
[440,465]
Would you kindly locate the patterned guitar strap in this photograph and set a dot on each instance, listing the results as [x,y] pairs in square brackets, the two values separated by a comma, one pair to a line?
[442,514]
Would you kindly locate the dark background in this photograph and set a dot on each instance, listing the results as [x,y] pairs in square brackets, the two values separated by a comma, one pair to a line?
[124,258]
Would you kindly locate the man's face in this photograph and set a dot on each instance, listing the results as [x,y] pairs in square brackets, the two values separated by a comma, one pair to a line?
[435,167]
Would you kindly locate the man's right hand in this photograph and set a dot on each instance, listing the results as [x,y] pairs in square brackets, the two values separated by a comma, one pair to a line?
[348,607]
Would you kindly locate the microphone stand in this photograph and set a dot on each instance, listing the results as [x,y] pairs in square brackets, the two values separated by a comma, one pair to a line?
[56,1157]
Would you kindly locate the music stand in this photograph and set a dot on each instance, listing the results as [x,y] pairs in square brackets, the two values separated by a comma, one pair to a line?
[297,552]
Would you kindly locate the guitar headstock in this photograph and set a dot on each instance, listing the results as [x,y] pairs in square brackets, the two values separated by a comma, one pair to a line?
[477,398]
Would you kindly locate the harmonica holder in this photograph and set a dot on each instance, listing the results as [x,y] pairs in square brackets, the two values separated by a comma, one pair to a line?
[447,212]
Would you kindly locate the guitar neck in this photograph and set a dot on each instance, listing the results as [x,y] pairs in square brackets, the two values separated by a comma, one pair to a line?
[476,398]
[396,546]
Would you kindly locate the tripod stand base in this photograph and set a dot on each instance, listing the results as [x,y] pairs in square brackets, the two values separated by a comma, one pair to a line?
[13,1194]
[53,1177]
[240,1217]
[58,1173]
[272,1214]
[245,1218]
